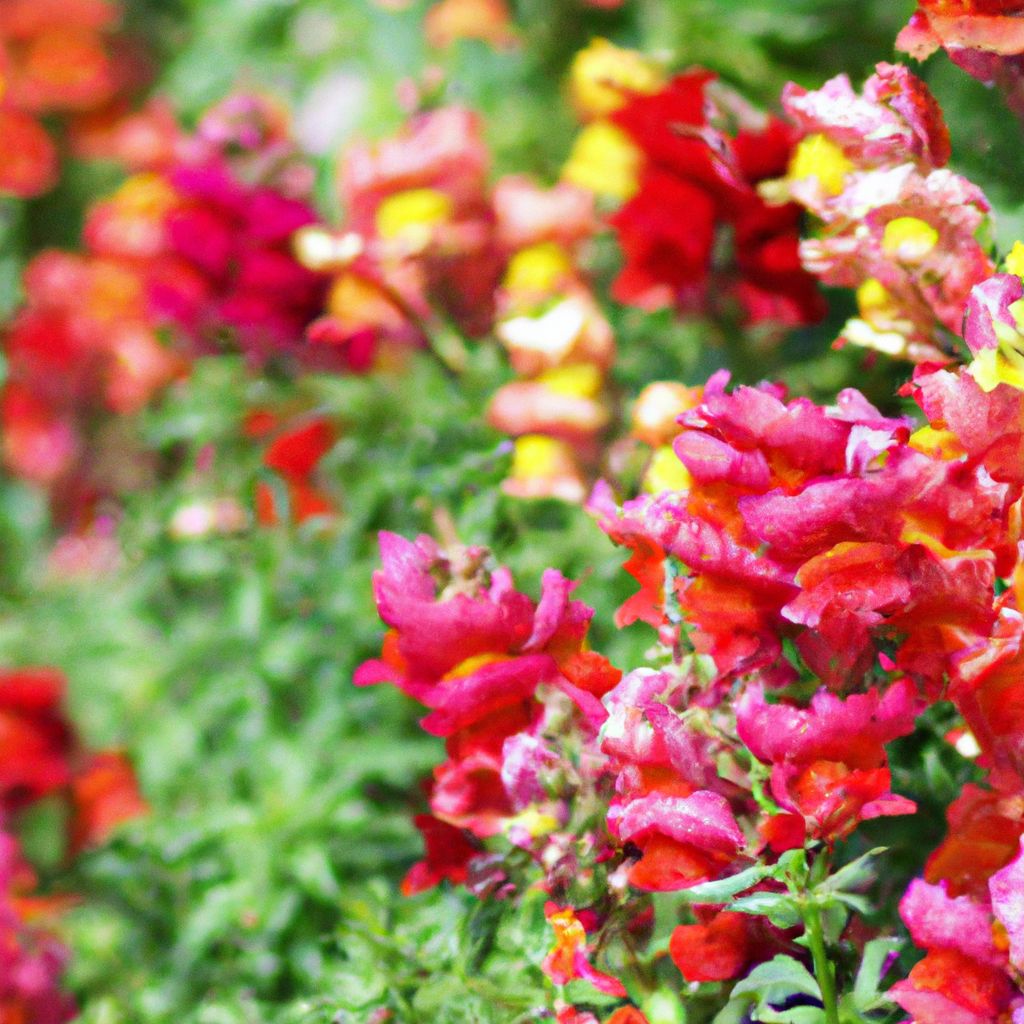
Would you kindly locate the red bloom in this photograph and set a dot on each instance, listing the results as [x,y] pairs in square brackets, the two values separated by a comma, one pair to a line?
[569,959]
[695,181]
[29,166]
[984,834]
[828,761]
[35,736]
[448,852]
[294,455]
[55,57]
[823,525]
[104,794]
[989,26]
[666,232]
[949,986]
[475,652]
[682,840]
[716,951]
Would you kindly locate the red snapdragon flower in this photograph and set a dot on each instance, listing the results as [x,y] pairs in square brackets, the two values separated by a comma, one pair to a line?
[294,455]
[209,234]
[717,950]
[697,181]
[55,58]
[43,756]
[825,525]
[968,971]
[828,761]
[35,736]
[420,205]
[993,26]
[569,958]
[104,794]
[476,652]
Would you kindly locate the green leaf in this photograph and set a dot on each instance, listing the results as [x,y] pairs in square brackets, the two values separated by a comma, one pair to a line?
[664,1007]
[481,932]
[776,980]
[778,907]
[855,902]
[866,986]
[724,889]
[793,865]
[855,875]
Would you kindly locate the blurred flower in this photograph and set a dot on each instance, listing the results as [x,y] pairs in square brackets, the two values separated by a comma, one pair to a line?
[294,455]
[603,77]
[983,37]
[31,961]
[30,163]
[448,21]
[104,794]
[895,224]
[56,57]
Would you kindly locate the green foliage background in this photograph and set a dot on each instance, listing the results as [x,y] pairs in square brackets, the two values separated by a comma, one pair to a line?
[262,887]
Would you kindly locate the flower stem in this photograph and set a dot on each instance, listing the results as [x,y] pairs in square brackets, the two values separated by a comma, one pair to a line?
[823,971]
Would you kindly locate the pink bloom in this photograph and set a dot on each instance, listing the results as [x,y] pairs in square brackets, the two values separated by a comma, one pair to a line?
[1007,890]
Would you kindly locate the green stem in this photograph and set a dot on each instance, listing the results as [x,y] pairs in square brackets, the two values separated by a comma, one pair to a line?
[822,965]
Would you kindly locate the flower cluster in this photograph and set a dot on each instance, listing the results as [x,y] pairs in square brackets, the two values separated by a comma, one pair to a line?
[966,912]
[43,758]
[895,223]
[56,57]
[818,576]
[418,243]
[482,657]
[429,245]
[687,156]
[188,255]
[559,342]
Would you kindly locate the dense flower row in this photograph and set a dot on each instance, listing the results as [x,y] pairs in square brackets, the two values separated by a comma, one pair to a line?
[818,577]
[213,242]
[831,552]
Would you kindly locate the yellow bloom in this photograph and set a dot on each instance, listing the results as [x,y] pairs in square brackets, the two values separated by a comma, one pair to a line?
[818,157]
[1003,364]
[604,160]
[909,239]
[995,366]
[939,444]
[874,300]
[603,75]
[538,268]
[535,822]
[145,195]
[1015,261]
[537,455]
[666,472]
[410,216]
[580,380]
